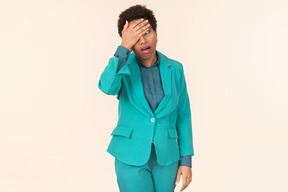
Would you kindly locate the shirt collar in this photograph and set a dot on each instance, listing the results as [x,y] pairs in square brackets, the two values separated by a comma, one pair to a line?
[141,64]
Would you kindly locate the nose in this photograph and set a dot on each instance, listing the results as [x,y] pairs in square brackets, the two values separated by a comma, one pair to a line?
[142,40]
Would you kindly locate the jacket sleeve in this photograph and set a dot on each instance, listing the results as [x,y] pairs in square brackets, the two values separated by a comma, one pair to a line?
[110,79]
[184,121]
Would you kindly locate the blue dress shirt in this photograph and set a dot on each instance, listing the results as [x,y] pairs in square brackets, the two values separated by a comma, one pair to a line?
[152,86]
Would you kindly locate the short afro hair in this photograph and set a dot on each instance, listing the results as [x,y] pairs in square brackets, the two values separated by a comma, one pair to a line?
[136,12]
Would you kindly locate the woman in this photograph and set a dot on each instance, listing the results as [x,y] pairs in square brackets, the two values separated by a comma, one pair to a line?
[154,127]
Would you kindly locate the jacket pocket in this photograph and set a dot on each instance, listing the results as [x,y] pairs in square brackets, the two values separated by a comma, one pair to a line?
[122,131]
[173,133]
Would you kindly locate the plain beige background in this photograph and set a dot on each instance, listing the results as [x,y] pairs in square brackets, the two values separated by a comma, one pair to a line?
[55,123]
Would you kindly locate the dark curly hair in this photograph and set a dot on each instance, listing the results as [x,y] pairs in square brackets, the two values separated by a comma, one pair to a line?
[136,12]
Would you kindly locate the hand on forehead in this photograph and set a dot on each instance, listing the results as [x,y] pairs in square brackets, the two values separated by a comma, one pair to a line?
[136,22]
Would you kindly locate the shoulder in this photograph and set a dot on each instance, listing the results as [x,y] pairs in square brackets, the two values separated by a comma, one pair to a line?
[172,63]
[176,64]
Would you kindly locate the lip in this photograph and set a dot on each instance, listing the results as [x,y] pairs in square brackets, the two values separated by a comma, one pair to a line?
[145,47]
[146,51]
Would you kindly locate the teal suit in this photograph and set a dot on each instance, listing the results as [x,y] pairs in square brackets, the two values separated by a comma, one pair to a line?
[169,126]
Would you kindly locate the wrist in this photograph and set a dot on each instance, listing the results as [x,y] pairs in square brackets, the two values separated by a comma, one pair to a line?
[126,46]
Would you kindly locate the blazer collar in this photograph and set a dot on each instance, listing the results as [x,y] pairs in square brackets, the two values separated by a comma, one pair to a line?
[136,81]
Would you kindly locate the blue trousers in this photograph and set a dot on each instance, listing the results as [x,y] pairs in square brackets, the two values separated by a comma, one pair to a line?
[150,177]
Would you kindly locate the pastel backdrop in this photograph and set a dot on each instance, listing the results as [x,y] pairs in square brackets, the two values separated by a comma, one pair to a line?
[55,123]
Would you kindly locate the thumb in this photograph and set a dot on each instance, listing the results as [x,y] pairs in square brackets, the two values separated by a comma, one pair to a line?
[178,177]
[125,26]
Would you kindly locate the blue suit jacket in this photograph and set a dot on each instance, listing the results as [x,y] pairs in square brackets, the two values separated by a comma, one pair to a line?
[170,126]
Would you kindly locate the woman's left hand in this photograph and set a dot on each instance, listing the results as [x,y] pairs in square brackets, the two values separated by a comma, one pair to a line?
[186,173]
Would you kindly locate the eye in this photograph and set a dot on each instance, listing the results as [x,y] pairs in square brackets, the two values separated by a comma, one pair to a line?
[147,32]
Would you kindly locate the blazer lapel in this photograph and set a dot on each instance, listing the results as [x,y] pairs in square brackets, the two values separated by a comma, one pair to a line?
[136,82]
[167,83]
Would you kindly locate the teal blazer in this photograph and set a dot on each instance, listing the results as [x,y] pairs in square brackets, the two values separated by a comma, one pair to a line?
[169,126]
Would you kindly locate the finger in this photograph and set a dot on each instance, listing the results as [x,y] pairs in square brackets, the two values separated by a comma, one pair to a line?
[134,23]
[144,28]
[141,25]
[125,26]
[184,183]
[182,188]
[142,32]
[178,178]
[189,180]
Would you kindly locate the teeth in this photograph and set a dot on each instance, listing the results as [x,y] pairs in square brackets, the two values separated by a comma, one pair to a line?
[145,49]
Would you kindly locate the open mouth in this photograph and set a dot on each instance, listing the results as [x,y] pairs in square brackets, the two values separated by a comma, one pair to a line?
[146,49]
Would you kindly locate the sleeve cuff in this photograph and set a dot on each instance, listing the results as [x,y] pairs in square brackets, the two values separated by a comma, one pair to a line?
[185,160]
[122,52]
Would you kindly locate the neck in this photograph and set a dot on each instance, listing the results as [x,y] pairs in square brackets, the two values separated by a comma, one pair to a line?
[149,62]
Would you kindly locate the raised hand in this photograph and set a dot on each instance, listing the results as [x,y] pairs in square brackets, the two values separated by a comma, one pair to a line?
[132,31]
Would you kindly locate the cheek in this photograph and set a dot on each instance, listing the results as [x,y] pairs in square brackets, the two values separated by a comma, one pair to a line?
[155,41]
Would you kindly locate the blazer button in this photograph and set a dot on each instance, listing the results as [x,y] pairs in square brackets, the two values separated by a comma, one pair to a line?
[152,119]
